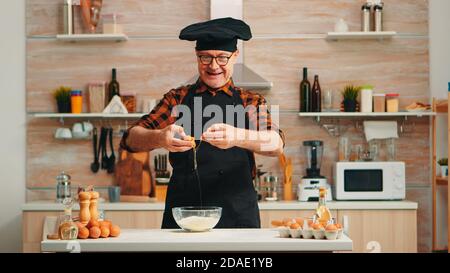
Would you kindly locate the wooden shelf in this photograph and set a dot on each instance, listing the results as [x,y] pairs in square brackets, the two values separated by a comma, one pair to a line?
[360,35]
[442,181]
[359,114]
[442,106]
[92,37]
[86,115]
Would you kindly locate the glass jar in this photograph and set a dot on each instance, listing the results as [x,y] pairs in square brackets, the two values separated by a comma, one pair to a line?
[379,103]
[76,101]
[63,189]
[392,103]
[110,24]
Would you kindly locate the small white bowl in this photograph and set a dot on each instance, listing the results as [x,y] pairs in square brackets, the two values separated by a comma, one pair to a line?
[319,233]
[295,233]
[307,233]
[284,232]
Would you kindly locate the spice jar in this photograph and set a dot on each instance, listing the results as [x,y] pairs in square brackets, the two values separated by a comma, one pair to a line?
[76,101]
[365,17]
[392,102]
[379,103]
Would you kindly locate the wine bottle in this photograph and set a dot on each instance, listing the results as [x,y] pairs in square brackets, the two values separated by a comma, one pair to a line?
[113,87]
[316,96]
[305,92]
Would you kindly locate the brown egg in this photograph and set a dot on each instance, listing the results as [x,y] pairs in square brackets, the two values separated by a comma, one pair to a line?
[331,227]
[295,226]
[93,223]
[317,226]
[108,223]
[104,232]
[276,223]
[83,233]
[299,221]
[115,231]
[287,221]
[79,225]
[94,232]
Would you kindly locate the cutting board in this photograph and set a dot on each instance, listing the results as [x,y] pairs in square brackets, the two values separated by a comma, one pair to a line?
[132,174]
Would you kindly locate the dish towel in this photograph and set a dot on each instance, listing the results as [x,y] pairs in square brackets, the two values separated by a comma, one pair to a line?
[380,130]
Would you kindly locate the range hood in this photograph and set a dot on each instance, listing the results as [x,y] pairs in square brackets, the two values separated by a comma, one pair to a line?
[243,76]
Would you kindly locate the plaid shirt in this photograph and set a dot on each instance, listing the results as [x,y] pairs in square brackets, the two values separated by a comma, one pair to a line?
[161,116]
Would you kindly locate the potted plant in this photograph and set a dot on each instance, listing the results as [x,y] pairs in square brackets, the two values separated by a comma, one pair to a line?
[62,97]
[443,162]
[350,95]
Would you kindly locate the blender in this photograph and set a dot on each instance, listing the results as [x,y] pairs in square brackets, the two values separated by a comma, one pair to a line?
[308,189]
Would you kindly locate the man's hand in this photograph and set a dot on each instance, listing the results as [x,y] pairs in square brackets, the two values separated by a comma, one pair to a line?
[222,135]
[173,144]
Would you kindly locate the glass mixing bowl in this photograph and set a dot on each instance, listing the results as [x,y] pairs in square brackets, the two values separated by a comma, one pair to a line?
[197,219]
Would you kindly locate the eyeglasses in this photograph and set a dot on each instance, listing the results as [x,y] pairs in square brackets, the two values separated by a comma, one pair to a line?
[221,60]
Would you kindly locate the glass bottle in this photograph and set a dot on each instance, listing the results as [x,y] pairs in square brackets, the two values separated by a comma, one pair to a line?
[67,230]
[305,92]
[316,96]
[113,87]
[323,213]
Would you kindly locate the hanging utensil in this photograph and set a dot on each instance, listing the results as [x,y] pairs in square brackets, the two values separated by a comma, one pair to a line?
[96,164]
[103,147]
[112,158]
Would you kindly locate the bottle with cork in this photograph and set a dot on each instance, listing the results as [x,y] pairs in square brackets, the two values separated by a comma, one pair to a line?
[323,214]
[67,229]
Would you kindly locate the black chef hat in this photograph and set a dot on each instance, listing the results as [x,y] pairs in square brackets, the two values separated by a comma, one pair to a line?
[217,34]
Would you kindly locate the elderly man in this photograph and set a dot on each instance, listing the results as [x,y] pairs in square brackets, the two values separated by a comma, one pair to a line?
[217,170]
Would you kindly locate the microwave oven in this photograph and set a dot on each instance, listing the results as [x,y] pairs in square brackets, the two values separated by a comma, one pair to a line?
[369,180]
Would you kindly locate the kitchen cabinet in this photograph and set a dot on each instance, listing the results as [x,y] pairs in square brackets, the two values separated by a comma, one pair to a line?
[392,224]
[381,230]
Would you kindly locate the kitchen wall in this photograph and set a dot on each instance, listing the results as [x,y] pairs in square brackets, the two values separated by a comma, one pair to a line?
[12,119]
[287,36]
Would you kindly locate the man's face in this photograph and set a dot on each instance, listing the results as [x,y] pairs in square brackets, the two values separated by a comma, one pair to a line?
[216,74]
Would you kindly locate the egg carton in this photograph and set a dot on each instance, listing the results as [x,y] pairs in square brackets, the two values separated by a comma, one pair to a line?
[310,233]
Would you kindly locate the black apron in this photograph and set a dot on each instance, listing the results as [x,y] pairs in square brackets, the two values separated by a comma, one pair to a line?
[225,175]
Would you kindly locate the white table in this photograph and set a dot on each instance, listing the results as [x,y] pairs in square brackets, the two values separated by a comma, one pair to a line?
[216,240]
